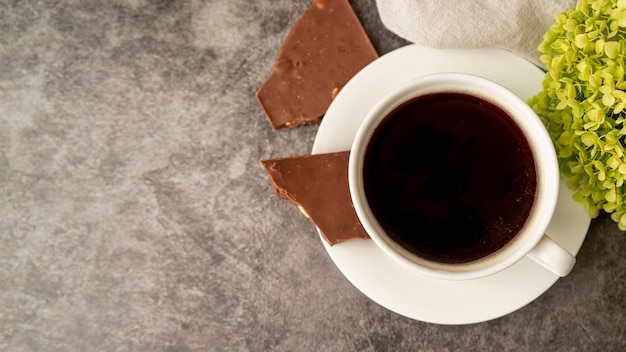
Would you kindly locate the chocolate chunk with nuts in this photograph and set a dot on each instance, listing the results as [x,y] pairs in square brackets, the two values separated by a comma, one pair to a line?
[318,186]
[325,48]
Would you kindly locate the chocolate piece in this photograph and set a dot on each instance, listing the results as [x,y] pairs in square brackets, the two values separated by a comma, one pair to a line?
[318,186]
[325,48]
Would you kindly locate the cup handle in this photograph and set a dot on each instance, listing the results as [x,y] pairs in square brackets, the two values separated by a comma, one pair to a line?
[552,256]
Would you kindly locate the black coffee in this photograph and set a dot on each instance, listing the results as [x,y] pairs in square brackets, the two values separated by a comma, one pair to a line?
[450,177]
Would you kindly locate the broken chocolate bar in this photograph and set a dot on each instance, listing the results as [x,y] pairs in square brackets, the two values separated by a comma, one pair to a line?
[325,48]
[318,186]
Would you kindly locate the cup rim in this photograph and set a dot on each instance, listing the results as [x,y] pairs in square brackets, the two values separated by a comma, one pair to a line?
[545,163]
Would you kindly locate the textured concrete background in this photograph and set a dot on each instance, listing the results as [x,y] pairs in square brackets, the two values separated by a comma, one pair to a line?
[135,215]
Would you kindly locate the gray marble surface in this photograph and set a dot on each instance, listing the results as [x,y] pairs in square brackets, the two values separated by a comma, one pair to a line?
[135,215]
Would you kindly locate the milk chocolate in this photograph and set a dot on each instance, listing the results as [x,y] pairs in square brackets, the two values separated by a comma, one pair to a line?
[318,186]
[324,49]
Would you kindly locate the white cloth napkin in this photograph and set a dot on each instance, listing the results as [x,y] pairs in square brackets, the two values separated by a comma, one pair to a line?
[515,25]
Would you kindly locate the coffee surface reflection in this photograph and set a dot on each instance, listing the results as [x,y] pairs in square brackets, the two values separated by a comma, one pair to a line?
[450,177]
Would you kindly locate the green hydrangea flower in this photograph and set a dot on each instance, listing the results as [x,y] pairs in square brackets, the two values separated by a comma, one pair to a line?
[583,102]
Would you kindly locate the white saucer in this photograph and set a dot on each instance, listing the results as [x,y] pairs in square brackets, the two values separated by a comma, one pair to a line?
[388,283]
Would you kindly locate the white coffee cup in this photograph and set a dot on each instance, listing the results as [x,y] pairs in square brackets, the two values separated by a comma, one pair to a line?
[530,241]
